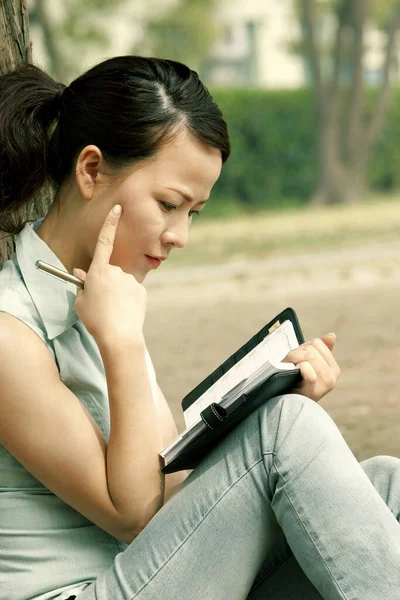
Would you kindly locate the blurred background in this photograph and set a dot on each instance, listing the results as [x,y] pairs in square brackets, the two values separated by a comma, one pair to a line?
[306,212]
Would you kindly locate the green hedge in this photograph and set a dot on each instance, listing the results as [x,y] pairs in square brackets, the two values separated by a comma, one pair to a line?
[384,168]
[273,160]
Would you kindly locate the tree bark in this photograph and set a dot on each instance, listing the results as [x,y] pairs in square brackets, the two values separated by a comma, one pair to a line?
[15,48]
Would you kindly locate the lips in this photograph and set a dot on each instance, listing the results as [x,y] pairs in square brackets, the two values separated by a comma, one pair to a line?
[153,261]
[157,257]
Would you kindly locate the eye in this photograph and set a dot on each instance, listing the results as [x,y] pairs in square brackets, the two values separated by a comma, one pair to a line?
[168,206]
[194,212]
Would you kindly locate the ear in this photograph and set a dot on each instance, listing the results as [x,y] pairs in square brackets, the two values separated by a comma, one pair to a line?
[88,169]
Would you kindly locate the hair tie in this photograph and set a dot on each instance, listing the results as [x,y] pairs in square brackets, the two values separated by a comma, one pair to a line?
[62,87]
[61,90]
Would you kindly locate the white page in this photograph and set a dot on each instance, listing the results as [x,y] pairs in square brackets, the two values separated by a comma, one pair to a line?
[272,348]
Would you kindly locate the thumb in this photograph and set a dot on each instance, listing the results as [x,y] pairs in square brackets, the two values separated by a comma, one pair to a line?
[329,340]
[80,273]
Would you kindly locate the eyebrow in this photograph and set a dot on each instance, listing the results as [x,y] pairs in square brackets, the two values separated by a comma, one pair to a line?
[186,196]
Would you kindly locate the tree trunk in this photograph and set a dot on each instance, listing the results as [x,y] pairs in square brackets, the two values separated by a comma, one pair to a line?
[330,168]
[15,48]
[338,186]
[339,181]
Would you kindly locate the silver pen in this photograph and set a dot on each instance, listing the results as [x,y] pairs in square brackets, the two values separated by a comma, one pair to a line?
[59,274]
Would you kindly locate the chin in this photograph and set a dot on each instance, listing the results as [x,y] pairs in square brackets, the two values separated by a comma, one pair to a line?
[140,277]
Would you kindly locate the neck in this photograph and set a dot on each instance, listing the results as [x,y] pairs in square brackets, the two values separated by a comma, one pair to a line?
[63,236]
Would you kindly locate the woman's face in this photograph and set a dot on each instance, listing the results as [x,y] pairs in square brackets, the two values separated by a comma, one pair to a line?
[159,200]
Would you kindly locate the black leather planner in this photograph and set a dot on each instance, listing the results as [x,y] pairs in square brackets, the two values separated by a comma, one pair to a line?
[216,421]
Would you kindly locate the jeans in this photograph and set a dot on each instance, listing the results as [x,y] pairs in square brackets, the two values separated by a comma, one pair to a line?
[279,510]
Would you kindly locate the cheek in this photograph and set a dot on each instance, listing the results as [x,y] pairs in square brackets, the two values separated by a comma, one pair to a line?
[136,234]
[143,219]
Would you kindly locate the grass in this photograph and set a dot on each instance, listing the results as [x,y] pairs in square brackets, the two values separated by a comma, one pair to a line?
[264,234]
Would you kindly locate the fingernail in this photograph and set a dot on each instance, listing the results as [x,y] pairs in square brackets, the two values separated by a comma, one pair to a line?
[116,211]
[334,335]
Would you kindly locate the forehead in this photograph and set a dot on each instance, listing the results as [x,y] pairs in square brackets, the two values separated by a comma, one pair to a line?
[187,161]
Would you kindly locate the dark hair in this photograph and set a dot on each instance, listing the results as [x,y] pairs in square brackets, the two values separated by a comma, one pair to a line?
[129,106]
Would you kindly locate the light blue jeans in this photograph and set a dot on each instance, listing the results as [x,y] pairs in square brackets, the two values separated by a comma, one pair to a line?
[280,509]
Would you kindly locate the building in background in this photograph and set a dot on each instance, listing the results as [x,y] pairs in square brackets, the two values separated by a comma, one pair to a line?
[256,46]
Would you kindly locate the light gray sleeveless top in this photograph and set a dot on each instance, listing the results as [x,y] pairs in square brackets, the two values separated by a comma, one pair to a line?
[47,549]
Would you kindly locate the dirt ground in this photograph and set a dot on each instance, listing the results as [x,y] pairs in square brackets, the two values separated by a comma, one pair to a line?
[196,318]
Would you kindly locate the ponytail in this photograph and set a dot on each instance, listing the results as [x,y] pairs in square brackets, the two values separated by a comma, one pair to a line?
[29,104]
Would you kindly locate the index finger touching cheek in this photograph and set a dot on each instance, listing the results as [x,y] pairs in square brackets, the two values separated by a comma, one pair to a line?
[105,241]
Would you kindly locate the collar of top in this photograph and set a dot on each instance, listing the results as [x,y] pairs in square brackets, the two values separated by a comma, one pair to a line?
[53,298]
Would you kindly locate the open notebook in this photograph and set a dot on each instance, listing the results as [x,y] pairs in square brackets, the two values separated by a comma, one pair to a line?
[245,380]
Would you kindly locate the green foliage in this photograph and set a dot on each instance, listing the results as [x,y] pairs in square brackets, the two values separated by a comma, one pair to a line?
[73,30]
[273,162]
[79,26]
[384,167]
[381,13]
[184,33]
[273,147]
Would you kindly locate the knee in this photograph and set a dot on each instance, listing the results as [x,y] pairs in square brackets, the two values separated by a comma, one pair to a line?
[294,403]
[297,434]
[384,474]
[381,466]
[292,406]
[294,412]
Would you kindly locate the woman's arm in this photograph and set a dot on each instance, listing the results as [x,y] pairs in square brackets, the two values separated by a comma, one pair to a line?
[134,476]
[169,432]
[46,428]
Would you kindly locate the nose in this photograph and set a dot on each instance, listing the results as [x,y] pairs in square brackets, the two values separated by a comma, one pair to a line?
[177,233]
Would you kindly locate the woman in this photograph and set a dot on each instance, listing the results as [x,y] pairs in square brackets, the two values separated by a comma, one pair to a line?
[281,508]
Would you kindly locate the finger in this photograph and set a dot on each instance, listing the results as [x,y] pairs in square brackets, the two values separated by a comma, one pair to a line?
[307,371]
[105,241]
[329,340]
[318,345]
[320,365]
[306,352]
[310,354]
[325,351]
[80,273]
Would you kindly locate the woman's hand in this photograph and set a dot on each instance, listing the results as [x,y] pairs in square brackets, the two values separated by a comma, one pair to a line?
[319,369]
[112,305]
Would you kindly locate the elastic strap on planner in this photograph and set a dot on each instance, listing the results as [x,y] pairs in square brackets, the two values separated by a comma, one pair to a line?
[213,416]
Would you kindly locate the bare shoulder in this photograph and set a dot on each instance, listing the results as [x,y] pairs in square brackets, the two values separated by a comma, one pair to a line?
[21,346]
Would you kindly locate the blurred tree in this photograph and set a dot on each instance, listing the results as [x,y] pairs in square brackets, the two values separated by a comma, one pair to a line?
[39,14]
[347,127]
[178,29]
[185,32]
[71,30]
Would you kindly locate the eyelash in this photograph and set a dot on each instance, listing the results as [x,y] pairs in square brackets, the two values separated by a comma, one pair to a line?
[169,207]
